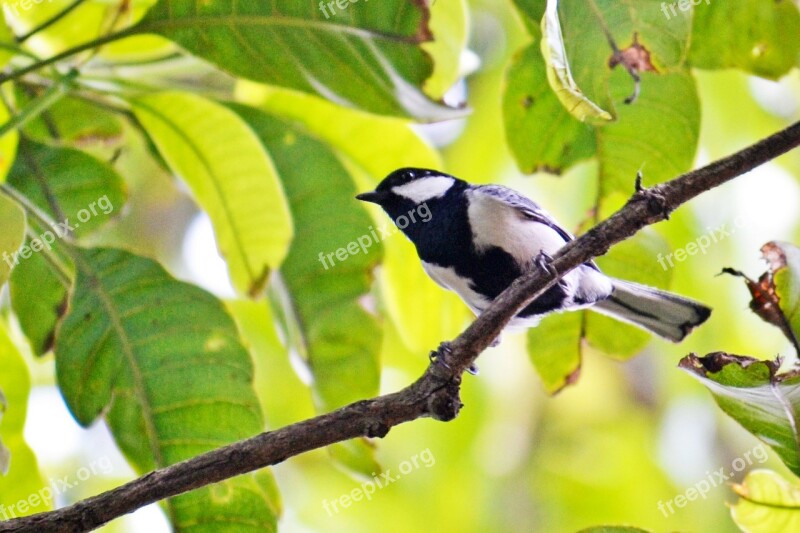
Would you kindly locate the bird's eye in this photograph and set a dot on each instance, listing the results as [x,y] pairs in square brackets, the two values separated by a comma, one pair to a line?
[410,175]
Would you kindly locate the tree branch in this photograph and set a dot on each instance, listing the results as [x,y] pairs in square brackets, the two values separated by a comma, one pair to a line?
[436,393]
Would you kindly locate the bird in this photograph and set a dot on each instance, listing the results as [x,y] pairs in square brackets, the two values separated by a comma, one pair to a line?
[478,239]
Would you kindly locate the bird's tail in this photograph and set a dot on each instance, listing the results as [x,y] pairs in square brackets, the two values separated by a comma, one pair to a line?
[665,314]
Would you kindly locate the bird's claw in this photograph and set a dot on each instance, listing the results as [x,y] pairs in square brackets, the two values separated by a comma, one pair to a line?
[435,355]
[545,262]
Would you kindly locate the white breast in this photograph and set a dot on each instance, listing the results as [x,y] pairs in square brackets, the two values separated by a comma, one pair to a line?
[495,223]
[447,278]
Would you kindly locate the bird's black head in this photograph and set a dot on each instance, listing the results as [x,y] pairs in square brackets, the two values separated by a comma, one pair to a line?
[428,206]
[407,188]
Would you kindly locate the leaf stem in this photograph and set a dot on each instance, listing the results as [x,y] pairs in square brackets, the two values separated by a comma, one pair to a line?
[40,104]
[100,41]
[49,22]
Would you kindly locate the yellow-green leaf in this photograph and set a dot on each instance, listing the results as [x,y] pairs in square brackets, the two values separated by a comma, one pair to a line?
[22,478]
[767,503]
[12,235]
[231,177]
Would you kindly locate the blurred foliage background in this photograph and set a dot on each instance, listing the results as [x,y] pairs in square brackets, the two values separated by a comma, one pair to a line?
[230,138]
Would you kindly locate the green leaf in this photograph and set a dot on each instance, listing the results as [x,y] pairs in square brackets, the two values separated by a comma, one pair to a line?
[767,503]
[753,393]
[75,189]
[759,37]
[231,177]
[12,236]
[366,56]
[77,121]
[532,12]
[87,191]
[636,21]
[8,145]
[422,311]
[555,349]
[275,378]
[541,133]
[559,74]
[162,362]
[22,477]
[338,338]
[632,143]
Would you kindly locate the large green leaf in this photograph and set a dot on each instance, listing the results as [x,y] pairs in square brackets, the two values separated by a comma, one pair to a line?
[162,362]
[757,36]
[658,134]
[22,478]
[232,179]
[767,503]
[12,235]
[543,119]
[663,45]
[366,56]
[338,338]
[76,190]
[754,393]
[541,133]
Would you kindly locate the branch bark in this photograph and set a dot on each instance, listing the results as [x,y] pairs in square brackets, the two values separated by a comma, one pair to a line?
[436,393]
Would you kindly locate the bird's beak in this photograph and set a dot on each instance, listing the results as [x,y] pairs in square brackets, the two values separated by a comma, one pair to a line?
[376,197]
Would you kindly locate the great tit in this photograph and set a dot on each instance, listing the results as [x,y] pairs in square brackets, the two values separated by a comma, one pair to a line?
[480,238]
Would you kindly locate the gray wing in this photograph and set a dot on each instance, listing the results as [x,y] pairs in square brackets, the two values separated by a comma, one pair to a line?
[527,207]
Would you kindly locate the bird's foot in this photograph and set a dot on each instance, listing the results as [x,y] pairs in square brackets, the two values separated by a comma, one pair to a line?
[435,355]
[545,262]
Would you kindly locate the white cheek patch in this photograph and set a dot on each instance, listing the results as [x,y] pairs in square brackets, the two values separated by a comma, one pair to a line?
[422,190]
